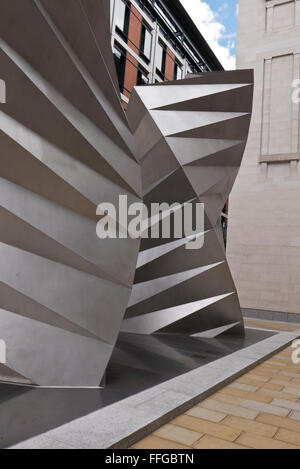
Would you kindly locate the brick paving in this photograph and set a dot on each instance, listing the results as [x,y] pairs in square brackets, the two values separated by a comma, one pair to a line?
[260,410]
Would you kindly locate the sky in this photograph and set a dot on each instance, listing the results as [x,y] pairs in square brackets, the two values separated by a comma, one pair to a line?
[217,22]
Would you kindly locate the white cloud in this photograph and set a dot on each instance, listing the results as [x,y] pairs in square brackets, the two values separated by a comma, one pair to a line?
[229,36]
[212,30]
[223,7]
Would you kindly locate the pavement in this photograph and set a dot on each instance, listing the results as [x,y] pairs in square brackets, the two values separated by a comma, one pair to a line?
[259,410]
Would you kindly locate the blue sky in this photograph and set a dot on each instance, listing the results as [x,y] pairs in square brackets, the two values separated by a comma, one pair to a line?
[217,21]
[226,12]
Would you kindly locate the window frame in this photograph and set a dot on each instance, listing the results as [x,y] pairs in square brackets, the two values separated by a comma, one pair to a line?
[123,59]
[161,72]
[141,70]
[125,31]
[146,29]
[178,66]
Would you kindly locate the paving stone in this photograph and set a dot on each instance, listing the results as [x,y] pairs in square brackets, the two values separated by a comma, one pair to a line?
[272,387]
[295,415]
[228,399]
[286,357]
[206,414]
[267,395]
[159,402]
[257,377]
[286,404]
[244,387]
[47,443]
[289,374]
[210,442]
[290,390]
[267,408]
[178,434]
[279,366]
[260,442]
[289,437]
[260,384]
[282,422]
[251,426]
[296,382]
[153,442]
[283,381]
[230,409]
[203,426]
[293,367]
[260,396]
[266,373]
[234,392]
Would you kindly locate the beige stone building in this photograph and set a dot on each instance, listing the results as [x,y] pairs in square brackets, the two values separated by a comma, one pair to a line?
[264,227]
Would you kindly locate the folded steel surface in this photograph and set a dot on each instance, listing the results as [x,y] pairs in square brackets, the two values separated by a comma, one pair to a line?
[66,146]
[190,138]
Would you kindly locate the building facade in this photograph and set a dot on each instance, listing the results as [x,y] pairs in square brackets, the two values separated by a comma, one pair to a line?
[264,209]
[155,41]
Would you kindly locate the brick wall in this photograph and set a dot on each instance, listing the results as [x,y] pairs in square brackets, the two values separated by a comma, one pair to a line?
[170,62]
[135,29]
[134,38]
[130,75]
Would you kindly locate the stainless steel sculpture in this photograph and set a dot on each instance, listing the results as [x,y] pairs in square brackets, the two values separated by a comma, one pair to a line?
[65,147]
[190,137]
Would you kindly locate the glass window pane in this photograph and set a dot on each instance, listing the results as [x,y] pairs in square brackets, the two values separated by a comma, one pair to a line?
[178,72]
[147,44]
[160,58]
[120,62]
[122,16]
[143,78]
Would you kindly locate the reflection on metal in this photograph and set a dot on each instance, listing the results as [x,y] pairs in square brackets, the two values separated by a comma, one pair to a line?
[66,146]
[190,139]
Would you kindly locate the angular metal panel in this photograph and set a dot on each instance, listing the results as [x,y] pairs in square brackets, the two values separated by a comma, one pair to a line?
[66,146]
[201,124]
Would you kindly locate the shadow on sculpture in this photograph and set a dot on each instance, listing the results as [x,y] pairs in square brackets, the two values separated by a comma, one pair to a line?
[67,145]
[190,138]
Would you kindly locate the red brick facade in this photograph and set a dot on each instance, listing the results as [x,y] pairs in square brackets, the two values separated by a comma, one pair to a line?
[134,39]
[170,64]
[135,29]
[131,72]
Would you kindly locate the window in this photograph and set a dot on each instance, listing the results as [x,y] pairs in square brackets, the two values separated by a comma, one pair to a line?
[160,60]
[178,72]
[143,77]
[146,43]
[122,18]
[120,61]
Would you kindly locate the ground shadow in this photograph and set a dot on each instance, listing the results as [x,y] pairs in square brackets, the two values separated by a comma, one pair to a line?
[138,363]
